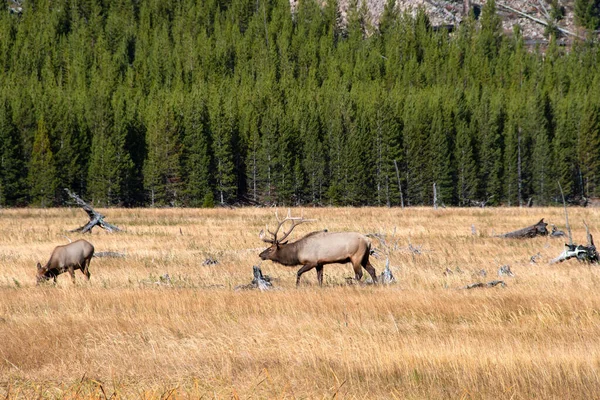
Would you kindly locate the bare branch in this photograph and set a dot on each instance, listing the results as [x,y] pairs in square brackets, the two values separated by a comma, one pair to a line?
[566,214]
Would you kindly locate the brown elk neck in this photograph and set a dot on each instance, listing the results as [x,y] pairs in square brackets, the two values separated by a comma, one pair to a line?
[287,254]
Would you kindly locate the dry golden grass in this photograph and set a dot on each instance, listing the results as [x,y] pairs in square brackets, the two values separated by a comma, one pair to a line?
[123,335]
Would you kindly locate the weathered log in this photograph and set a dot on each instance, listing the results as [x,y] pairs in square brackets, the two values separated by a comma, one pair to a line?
[484,285]
[95,217]
[538,229]
[109,254]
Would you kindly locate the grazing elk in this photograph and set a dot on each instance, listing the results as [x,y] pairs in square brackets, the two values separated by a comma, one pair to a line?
[72,256]
[317,249]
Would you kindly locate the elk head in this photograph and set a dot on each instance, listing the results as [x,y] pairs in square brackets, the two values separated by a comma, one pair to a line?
[42,274]
[275,241]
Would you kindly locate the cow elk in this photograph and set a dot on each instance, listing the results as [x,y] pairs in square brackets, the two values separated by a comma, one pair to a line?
[317,249]
[72,256]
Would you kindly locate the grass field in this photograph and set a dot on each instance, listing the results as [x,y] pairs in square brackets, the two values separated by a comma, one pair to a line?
[127,334]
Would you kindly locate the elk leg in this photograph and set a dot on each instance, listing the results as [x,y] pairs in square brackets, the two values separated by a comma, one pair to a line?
[320,274]
[357,271]
[371,271]
[302,270]
[86,269]
[72,273]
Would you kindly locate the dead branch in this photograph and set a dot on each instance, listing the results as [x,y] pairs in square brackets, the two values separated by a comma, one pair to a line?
[566,213]
[96,219]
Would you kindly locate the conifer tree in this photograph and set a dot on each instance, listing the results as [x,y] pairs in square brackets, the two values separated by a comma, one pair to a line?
[12,166]
[441,141]
[588,148]
[195,155]
[42,171]
[488,120]
[162,175]
[541,167]
[223,125]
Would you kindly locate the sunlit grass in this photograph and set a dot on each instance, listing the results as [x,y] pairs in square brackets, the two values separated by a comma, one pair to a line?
[128,333]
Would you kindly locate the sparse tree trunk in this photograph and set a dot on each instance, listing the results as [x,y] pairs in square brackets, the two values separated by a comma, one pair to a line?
[519,177]
[399,184]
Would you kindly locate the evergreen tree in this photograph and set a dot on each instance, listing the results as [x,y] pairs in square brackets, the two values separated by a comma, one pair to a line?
[162,175]
[223,125]
[12,166]
[42,171]
[588,149]
[541,166]
[587,13]
[442,138]
[195,157]
[489,122]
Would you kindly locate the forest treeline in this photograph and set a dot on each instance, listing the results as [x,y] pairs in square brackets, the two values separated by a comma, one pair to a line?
[201,102]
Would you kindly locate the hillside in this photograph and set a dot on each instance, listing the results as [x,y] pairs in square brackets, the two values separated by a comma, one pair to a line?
[450,14]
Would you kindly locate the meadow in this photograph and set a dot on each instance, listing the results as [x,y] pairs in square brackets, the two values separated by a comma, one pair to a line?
[128,333]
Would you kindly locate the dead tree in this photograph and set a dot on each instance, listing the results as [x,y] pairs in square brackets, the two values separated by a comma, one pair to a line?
[587,254]
[538,229]
[95,217]
[582,253]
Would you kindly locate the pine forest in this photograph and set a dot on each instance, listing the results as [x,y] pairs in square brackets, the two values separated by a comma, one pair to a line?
[199,103]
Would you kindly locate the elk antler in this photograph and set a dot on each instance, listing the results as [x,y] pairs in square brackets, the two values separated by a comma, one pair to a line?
[295,222]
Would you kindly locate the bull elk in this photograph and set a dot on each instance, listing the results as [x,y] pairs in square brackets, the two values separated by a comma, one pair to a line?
[317,249]
[72,256]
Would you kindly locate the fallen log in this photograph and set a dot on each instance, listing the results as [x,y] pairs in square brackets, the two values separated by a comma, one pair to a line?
[96,219]
[484,285]
[538,229]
